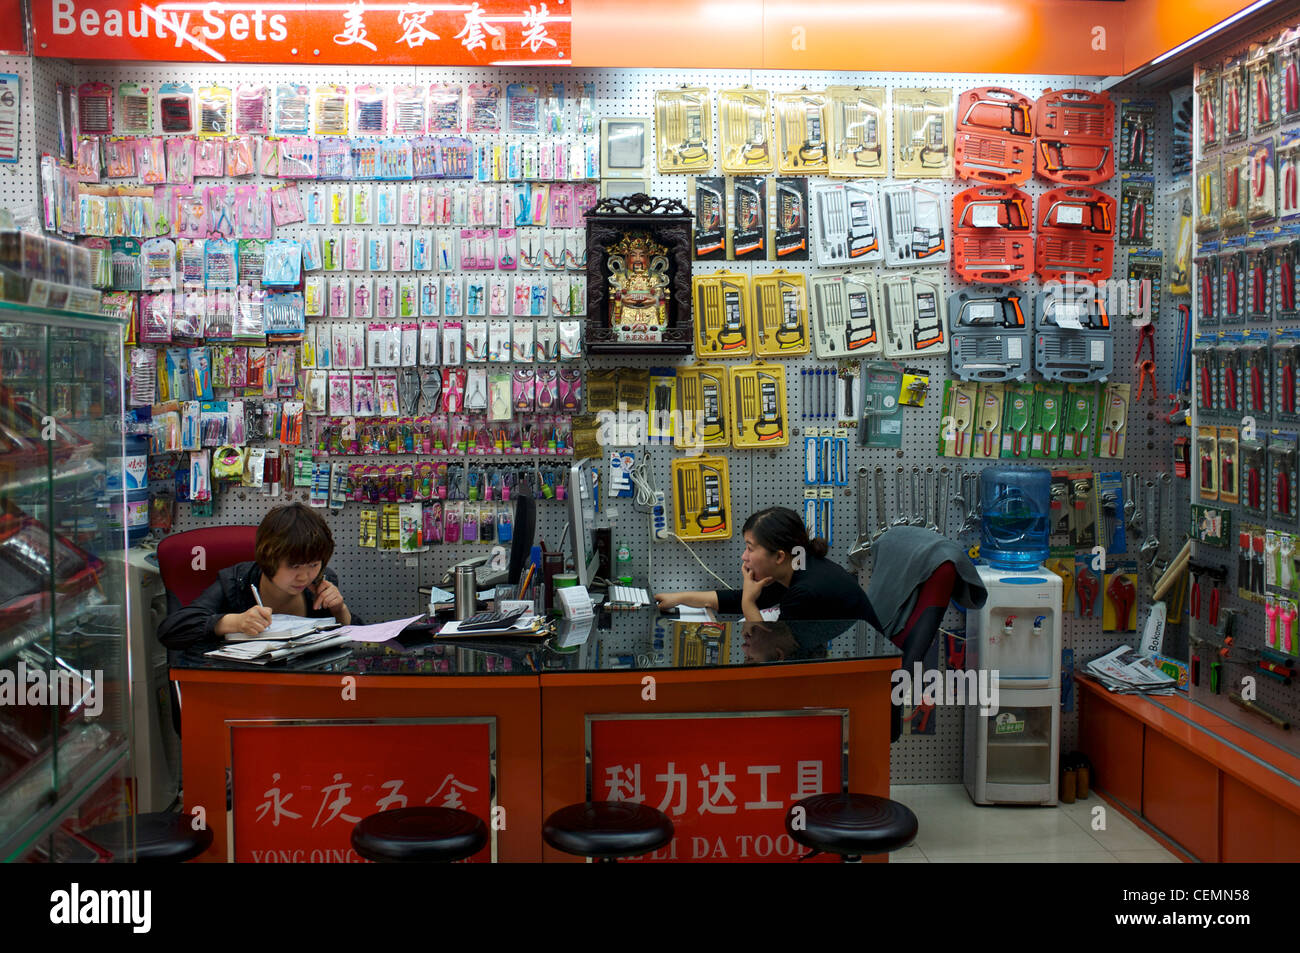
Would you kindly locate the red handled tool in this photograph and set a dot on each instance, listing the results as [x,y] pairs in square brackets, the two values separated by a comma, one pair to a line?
[1234,110]
[1252,488]
[1137,145]
[1234,186]
[1289,192]
[1259,286]
[1291,87]
[1263,100]
[1207,386]
[1137,223]
[1229,384]
[1207,294]
[1230,290]
[1122,597]
[1147,372]
[1086,586]
[1256,384]
[1286,282]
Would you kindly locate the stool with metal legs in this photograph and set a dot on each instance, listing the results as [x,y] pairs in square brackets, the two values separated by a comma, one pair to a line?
[416,835]
[607,830]
[851,825]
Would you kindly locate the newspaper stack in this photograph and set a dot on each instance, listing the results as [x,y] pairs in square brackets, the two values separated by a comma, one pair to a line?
[1126,672]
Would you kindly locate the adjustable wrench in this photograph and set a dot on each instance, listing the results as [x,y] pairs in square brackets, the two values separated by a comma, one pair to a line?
[900,519]
[918,513]
[931,500]
[882,523]
[863,545]
[943,506]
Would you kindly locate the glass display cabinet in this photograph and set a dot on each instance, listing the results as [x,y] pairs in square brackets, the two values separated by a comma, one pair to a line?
[65,711]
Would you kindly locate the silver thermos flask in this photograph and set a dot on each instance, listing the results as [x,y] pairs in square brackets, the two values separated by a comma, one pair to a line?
[466,592]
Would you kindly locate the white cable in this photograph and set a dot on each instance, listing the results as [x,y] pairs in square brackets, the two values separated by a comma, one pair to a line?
[640,477]
[700,561]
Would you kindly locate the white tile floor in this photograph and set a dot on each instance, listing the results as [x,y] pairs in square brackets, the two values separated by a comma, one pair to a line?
[954,830]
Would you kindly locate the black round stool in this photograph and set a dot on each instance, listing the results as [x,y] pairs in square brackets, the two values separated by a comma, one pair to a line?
[163,837]
[419,835]
[607,830]
[851,825]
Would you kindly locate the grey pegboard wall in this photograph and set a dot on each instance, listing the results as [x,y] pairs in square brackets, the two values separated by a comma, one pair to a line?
[383,585]
[1240,663]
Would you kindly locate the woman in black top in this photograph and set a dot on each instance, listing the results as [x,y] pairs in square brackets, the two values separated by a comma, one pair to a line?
[783,567]
[292,547]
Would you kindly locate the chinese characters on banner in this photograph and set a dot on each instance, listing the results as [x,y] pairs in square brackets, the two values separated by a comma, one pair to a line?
[299,790]
[473,33]
[725,782]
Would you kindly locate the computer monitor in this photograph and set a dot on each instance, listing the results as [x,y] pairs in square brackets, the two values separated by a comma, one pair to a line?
[582,520]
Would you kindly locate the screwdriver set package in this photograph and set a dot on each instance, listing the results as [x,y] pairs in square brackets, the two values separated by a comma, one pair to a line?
[1253,458]
[722,315]
[1076,132]
[760,411]
[994,136]
[1286,374]
[1137,209]
[923,134]
[845,315]
[709,228]
[991,234]
[1072,335]
[683,130]
[915,226]
[701,498]
[801,133]
[1076,235]
[1282,475]
[1228,465]
[1234,189]
[743,130]
[991,340]
[848,226]
[703,400]
[1261,204]
[1136,122]
[857,126]
[915,323]
[780,314]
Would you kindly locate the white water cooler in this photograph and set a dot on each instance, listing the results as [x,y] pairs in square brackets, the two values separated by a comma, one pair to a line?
[1011,757]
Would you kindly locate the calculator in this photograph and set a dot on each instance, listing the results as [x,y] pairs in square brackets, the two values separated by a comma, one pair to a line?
[489,620]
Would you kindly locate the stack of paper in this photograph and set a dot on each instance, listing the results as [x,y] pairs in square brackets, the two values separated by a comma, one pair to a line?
[271,647]
[1126,672]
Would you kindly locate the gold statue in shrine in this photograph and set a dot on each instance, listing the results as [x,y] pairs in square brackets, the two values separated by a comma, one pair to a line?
[638,287]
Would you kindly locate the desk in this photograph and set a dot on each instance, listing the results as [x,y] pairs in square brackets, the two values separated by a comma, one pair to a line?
[545,703]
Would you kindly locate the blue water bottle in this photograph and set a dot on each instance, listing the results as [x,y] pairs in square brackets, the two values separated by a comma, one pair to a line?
[1015,516]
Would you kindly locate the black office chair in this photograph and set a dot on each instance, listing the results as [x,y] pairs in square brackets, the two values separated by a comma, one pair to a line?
[162,837]
[607,830]
[419,835]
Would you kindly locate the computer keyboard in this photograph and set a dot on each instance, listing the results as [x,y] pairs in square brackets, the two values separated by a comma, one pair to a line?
[628,596]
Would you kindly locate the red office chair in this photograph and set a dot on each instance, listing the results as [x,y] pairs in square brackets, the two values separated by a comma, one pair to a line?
[853,825]
[222,546]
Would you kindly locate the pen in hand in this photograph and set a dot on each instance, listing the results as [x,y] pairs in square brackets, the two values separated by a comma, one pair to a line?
[257,596]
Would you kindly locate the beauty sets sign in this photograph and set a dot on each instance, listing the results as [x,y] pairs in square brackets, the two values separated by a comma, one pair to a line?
[481,33]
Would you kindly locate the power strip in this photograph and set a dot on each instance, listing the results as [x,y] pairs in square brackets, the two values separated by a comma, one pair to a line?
[658,517]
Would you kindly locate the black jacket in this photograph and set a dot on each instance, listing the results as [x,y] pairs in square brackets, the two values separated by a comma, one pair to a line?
[822,591]
[231,593]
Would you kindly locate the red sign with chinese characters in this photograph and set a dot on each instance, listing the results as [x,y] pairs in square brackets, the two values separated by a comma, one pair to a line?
[726,781]
[300,789]
[483,33]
